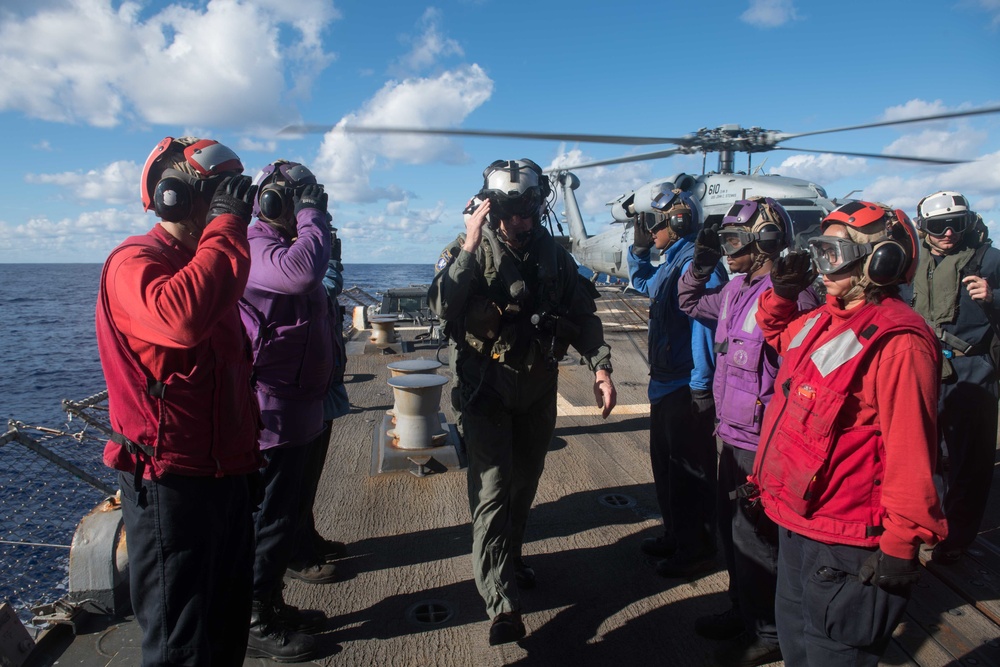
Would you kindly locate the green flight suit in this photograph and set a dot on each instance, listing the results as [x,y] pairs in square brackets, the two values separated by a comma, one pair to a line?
[506,376]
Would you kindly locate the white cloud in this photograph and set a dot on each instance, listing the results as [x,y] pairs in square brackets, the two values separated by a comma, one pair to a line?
[346,160]
[180,66]
[821,168]
[429,46]
[89,237]
[769,13]
[116,183]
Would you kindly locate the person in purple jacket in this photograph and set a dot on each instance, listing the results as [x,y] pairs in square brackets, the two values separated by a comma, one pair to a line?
[753,233]
[287,315]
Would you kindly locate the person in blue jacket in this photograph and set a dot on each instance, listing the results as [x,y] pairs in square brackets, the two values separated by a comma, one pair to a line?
[682,411]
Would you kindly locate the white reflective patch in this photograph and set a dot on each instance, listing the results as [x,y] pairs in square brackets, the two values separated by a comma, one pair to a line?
[836,352]
[725,309]
[170,197]
[804,331]
[750,321]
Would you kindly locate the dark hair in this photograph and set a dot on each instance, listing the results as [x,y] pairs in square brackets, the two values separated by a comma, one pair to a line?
[878,293]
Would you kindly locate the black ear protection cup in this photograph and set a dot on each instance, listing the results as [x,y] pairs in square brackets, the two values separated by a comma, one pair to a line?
[886,263]
[173,199]
[273,202]
[681,222]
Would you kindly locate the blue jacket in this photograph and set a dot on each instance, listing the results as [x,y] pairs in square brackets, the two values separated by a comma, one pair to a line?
[680,347]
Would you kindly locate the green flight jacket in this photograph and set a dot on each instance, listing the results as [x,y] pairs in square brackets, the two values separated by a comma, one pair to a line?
[487,300]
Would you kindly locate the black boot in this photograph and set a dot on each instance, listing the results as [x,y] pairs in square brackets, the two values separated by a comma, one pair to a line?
[295,619]
[270,639]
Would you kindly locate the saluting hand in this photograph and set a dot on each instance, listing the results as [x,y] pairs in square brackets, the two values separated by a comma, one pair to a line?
[474,226]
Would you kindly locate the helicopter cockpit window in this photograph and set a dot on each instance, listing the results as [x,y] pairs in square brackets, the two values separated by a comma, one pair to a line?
[806,223]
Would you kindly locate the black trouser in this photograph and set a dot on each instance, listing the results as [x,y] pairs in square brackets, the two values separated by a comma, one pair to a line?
[825,615]
[750,544]
[190,552]
[305,552]
[967,420]
[683,457]
[277,520]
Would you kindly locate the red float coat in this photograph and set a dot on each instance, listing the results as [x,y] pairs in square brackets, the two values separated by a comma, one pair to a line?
[849,440]
[175,355]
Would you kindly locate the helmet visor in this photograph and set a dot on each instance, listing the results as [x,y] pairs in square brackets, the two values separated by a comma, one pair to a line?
[525,206]
[940,225]
[833,254]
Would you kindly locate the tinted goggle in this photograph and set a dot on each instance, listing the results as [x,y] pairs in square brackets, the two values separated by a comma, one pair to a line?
[833,254]
[939,226]
[525,206]
[735,240]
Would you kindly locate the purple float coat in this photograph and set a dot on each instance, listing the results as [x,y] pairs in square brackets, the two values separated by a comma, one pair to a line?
[286,312]
[745,367]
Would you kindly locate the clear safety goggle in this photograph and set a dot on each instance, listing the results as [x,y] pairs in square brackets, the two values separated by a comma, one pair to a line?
[939,226]
[833,254]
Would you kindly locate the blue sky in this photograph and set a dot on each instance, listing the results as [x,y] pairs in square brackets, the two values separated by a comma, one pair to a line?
[90,86]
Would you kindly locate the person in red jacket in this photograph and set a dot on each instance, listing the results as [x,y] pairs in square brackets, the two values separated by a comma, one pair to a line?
[846,454]
[176,361]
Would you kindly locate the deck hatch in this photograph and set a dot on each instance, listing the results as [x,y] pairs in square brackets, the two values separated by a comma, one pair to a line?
[430,612]
[617,501]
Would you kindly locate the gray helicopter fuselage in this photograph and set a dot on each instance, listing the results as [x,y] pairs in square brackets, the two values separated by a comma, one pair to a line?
[607,252]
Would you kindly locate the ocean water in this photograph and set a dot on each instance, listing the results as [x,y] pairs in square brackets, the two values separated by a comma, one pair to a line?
[48,352]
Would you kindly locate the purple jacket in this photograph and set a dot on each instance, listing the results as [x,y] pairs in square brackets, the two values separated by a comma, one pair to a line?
[745,367]
[286,313]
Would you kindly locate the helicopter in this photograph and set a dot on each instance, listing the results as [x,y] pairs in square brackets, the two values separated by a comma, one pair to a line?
[714,192]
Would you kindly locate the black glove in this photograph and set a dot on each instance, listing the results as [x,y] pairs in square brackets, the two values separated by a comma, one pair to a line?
[642,240]
[791,274]
[335,247]
[311,196]
[889,573]
[235,195]
[702,402]
[707,253]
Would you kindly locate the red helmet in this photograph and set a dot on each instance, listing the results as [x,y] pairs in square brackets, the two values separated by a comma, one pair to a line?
[885,238]
[189,159]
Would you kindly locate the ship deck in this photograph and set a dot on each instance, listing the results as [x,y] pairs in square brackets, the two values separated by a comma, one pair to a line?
[406,594]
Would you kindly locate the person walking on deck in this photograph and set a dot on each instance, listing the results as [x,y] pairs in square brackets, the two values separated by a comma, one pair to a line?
[512,300]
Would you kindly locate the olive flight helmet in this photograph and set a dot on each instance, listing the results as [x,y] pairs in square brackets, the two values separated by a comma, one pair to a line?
[277,184]
[941,211]
[884,239]
[759,225]
[515,187]
[178,170]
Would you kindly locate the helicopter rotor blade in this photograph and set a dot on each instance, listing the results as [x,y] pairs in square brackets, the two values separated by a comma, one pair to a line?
[880,156]
[448,132]
[781,136]
[638,157]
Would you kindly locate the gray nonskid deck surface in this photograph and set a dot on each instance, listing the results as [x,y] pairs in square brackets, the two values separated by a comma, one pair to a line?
[598,599]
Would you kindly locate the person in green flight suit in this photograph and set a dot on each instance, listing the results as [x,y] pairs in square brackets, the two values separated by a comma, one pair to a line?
[512,301]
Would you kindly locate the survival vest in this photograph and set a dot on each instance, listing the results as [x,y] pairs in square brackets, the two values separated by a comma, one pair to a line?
[814,475]
[742,385]
[499,322]
[199,420]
